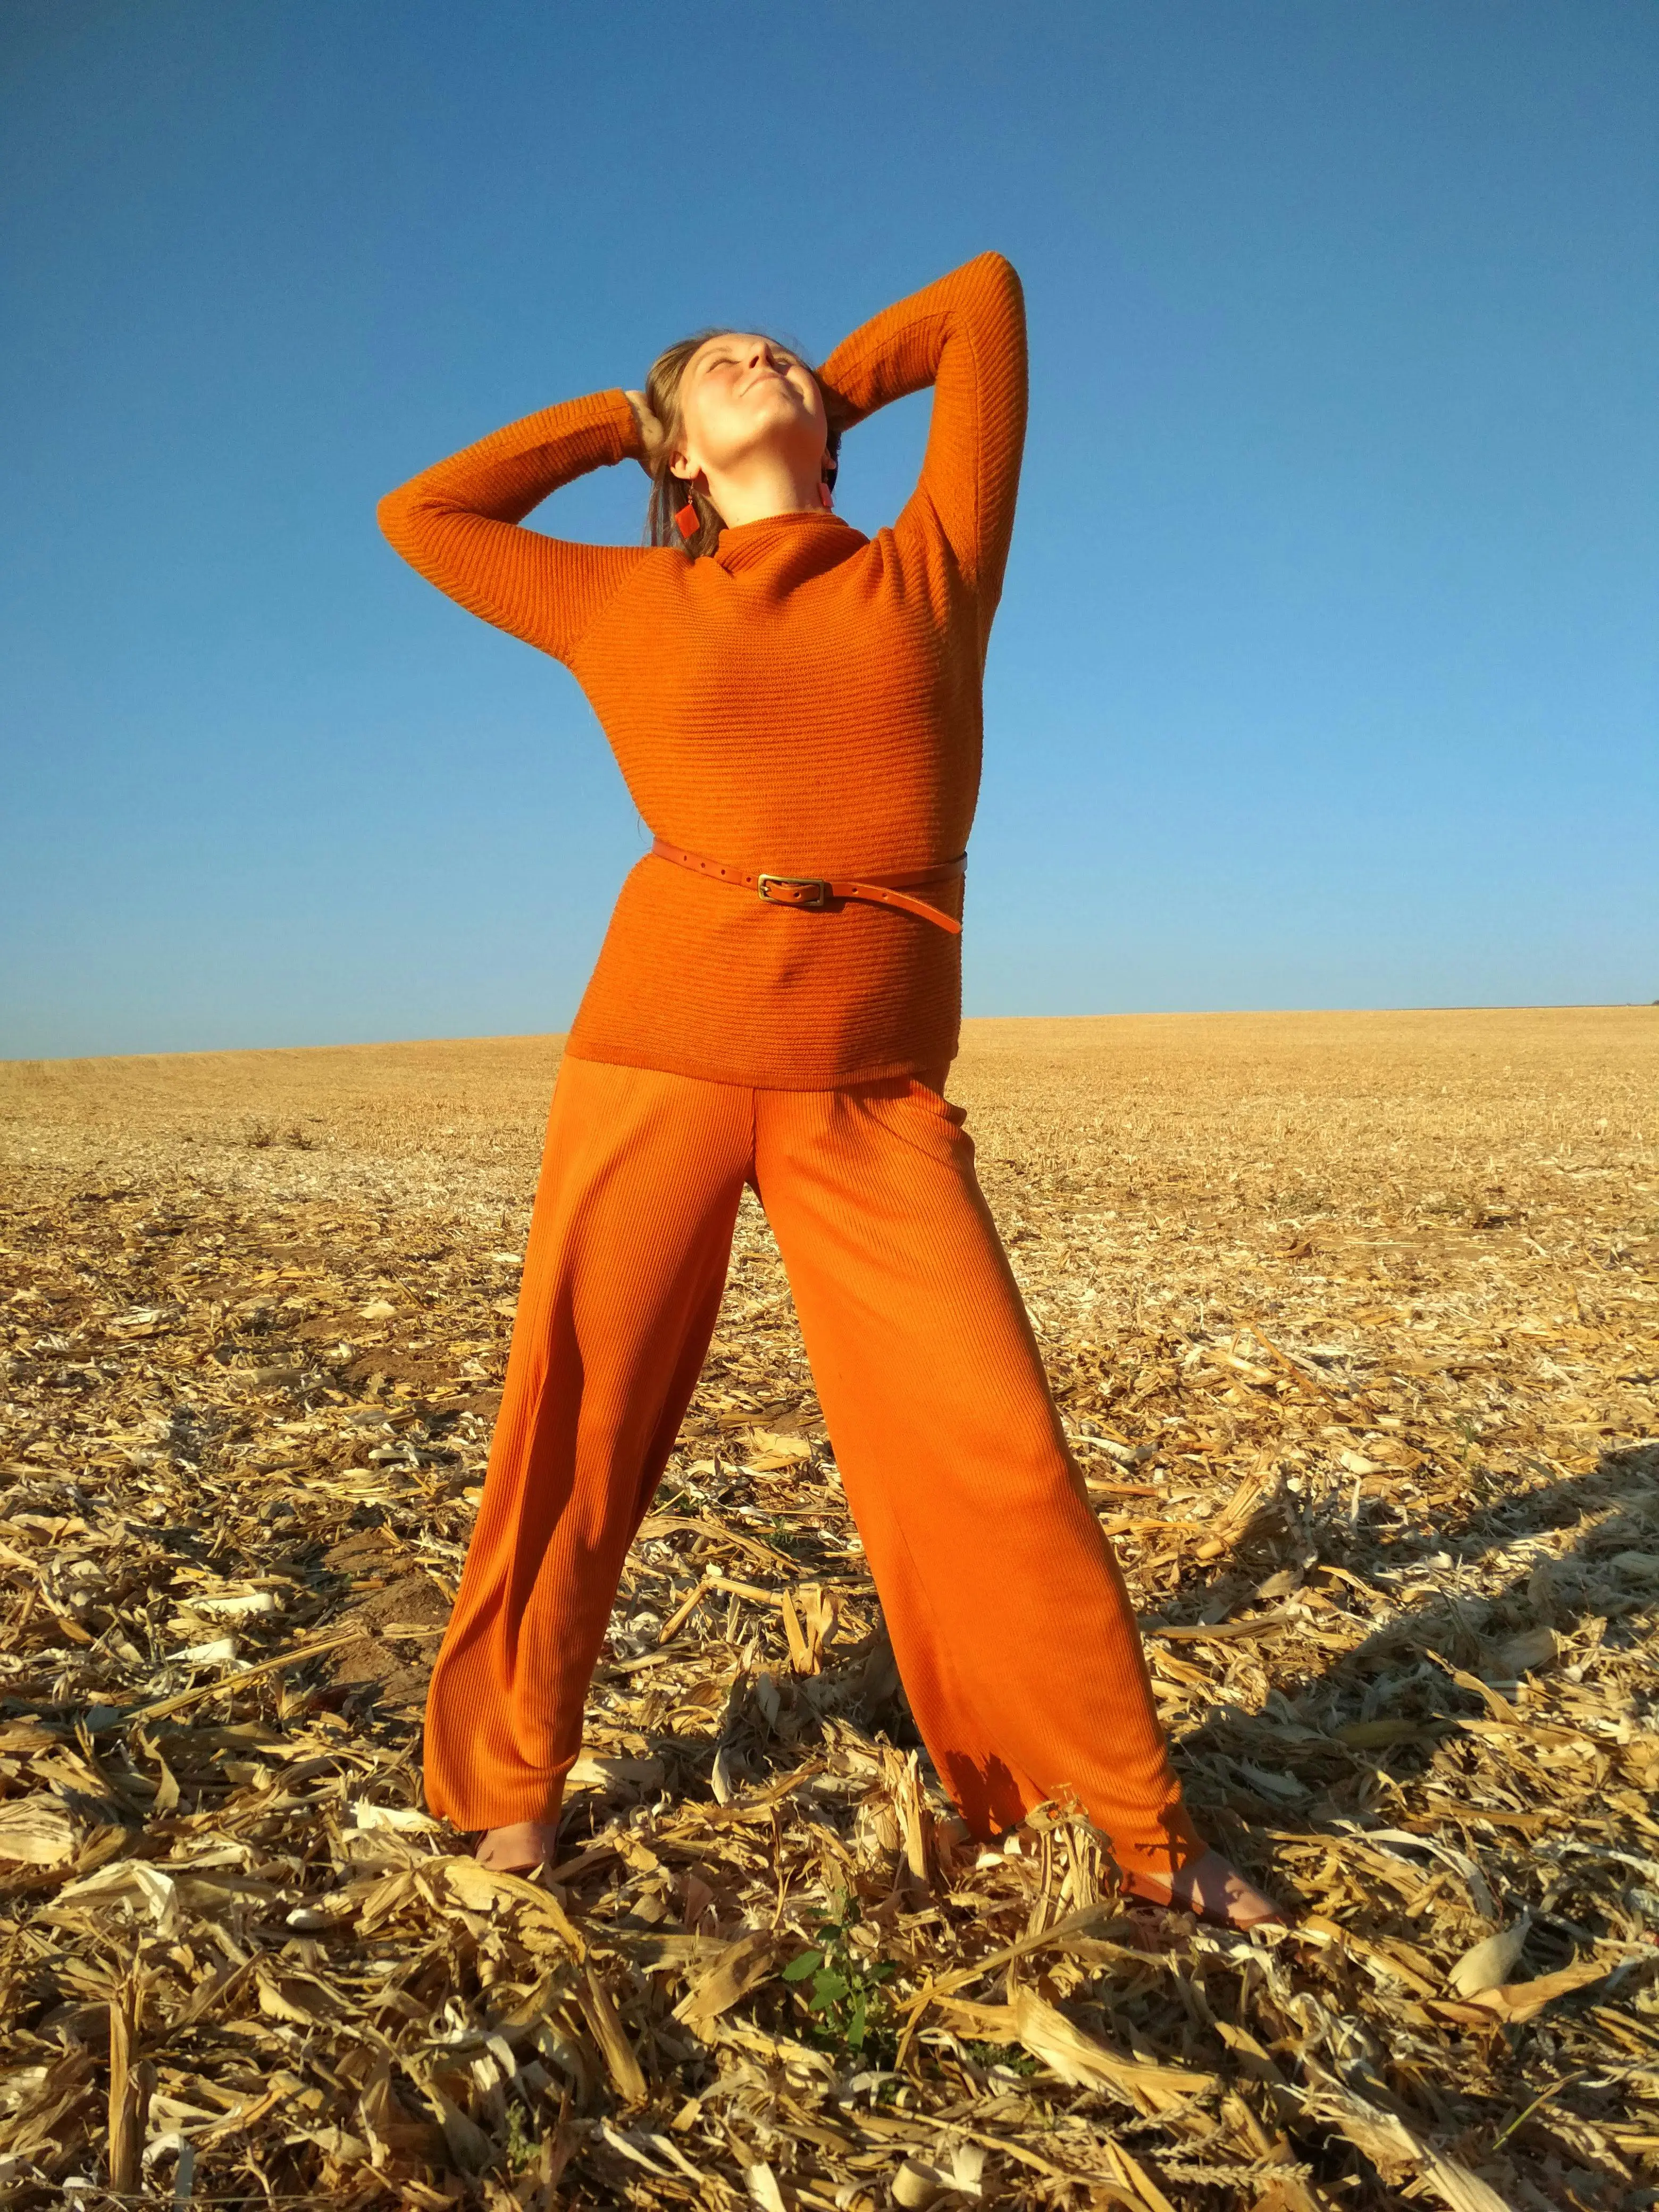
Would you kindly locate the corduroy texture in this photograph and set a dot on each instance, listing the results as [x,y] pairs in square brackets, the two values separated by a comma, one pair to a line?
[804,701]
[1010,1620]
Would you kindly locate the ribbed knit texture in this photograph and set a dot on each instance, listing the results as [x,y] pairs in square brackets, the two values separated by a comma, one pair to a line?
[805,700]
[1010,1620]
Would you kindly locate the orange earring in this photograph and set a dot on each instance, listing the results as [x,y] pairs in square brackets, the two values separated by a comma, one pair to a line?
[826,497]
[686,521]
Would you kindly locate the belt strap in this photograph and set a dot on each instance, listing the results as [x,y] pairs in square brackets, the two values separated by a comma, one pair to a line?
[815,892]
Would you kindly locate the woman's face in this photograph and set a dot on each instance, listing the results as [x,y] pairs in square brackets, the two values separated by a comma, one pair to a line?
[739,393]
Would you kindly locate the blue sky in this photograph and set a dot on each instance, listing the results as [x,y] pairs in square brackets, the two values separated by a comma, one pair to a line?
[1326,673]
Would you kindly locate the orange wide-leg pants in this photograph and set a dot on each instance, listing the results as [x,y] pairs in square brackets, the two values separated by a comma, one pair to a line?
[1012,1630]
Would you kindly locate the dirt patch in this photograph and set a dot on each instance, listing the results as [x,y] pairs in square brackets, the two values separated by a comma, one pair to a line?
[401,1622]
[402,1627]
[392,1367]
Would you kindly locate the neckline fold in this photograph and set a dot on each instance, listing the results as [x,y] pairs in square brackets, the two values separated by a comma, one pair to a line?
[743,543]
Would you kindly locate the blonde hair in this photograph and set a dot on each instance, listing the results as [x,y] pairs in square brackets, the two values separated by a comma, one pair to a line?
[668,493]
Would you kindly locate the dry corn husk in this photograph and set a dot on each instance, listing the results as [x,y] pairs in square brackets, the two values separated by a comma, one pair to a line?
[1075,2057]
[37,1830]
[741,1967]
[1372,1436]
[1489,1962]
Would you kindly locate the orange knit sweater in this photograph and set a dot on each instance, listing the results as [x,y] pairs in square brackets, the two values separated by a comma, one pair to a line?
[805,700]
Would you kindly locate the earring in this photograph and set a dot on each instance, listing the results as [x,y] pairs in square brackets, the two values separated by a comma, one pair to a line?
[826,497]
[686,521]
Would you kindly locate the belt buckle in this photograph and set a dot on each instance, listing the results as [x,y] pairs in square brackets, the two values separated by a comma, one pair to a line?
[818,885]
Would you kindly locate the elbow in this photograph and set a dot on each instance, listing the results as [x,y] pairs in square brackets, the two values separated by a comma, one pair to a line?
[998,268]
[998,295]
[998,303]
[392,513]
[409,520]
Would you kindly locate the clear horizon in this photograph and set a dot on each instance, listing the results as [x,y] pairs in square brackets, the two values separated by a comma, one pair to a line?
[1326,678]
[1137,1014]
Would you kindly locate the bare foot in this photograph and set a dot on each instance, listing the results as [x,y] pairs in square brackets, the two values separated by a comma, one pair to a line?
[521,1849]
[1211,1887]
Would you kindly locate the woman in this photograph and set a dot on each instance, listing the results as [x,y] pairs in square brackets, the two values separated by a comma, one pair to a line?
[796,709]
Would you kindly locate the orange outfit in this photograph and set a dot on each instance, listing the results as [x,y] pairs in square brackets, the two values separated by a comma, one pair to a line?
[806,702]
[1010,1623]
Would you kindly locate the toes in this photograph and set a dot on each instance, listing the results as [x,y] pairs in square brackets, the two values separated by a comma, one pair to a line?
[1250,1909]
[520,1849]
[1210,1887]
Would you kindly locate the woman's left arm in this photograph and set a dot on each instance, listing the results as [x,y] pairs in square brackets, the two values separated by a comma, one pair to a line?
[964,335]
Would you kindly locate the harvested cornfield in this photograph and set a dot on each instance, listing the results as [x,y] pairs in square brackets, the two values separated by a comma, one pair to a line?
[1352,1322]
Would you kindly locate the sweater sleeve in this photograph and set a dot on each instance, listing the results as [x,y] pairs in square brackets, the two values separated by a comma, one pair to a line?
[458,522]
[964,335]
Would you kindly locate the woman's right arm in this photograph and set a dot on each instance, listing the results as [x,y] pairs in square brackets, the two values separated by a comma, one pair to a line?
[459,522]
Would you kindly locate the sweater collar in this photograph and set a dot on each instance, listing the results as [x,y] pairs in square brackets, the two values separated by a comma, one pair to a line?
[753,544]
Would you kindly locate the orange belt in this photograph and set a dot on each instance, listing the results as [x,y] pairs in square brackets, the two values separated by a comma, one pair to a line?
[815,892]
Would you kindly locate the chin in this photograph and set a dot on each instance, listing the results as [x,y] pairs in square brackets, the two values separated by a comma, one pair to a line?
[777,407]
